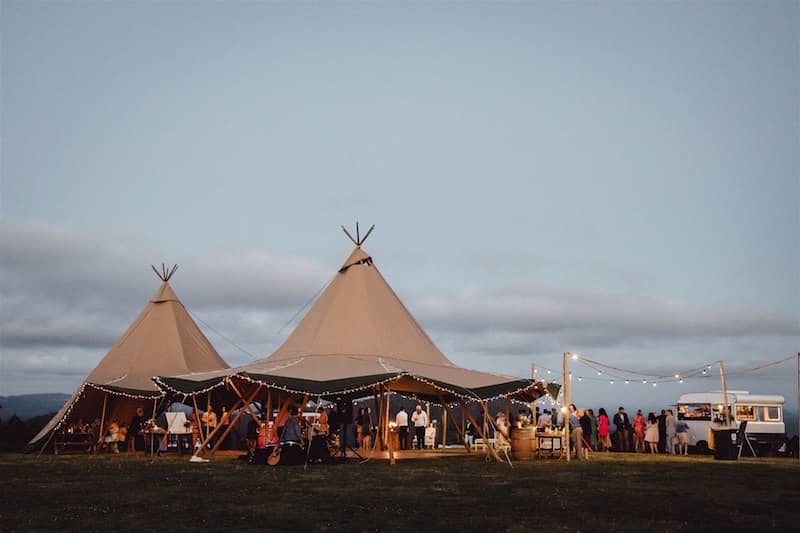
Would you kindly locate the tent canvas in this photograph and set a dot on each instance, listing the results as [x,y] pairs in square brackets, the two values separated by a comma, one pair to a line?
[162,339]
[358,335]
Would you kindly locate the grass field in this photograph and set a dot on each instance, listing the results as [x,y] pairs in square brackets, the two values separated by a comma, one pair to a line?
[615,492]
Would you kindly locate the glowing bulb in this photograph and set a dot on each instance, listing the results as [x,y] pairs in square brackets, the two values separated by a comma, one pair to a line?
[680,381]
[677,376]
[548,371]
[644,381]
[654,384]
[580,378]
[599,373]
[611,382]
[704,371]
[626,382]
[574,356]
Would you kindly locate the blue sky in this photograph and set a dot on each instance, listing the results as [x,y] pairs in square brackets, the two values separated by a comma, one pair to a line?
[619,179]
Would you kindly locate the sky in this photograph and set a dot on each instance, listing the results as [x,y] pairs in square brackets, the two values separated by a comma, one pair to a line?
[616,179]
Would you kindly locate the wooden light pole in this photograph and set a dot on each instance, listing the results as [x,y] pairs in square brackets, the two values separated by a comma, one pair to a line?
[725,408]
[533,403]
[565,407]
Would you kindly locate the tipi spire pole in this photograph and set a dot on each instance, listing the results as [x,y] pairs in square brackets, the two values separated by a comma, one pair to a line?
[368,232]
[350,236]
[358,240]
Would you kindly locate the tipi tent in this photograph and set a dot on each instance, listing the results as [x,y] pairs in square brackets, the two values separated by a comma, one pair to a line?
[162,340]
[358,339]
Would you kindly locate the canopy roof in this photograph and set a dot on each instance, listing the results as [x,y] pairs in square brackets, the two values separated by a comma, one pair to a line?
[357,334]
[162,340]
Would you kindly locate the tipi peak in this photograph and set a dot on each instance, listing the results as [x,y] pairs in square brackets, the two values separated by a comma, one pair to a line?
[358,241]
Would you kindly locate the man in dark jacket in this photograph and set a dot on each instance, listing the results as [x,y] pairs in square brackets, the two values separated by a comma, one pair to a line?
[623,426]
[662,431]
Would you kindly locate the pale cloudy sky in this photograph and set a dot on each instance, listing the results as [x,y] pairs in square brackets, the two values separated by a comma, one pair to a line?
[616,179]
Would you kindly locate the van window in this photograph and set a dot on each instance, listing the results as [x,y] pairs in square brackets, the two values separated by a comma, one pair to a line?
[772,413]
[694,411]
[745,412]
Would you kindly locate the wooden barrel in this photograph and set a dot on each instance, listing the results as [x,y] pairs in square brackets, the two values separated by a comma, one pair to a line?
[522,443]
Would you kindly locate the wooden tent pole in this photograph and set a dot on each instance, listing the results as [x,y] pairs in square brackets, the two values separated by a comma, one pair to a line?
[268,409]
[101,436]
[387,415]
[463,426]
[452,420]
[233,423]
[212,433]
[379,416]
[444,426]
[197,418]
[482,433]
[281,413]
[389,439]
[725,407]
[247,405]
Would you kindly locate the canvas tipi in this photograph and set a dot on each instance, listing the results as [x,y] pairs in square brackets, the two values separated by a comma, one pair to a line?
[162,340]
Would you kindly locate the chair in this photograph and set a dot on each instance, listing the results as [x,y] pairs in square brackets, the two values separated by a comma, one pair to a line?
[741,438]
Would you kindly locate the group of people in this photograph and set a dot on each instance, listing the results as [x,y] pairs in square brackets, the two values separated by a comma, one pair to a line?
[658,434]
[117,435]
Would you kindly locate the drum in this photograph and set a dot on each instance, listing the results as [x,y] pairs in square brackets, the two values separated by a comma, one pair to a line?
[522,443]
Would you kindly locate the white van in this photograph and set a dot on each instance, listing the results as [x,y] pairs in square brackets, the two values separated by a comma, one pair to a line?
[763,413]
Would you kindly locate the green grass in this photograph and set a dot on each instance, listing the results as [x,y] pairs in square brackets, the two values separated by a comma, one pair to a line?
[615,492]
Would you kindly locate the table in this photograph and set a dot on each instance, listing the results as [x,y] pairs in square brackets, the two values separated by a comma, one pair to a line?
[547,442]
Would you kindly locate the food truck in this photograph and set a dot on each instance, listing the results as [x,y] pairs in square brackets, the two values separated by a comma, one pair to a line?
[703,411]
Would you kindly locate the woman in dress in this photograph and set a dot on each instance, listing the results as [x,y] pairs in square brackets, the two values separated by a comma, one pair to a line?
[638,432]
[651,433]
[602,430]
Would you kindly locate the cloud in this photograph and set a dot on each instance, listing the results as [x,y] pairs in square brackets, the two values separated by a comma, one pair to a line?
[589,317]
[69,295]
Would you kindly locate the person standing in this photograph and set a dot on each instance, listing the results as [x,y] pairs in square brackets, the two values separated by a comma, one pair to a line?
[135,428]
[671,430]
[603,430]
[586,428]
[662,431]
[575,432]
[210,422]
[638,432]
[682,434]
[593,437]
[365,427]
[651,433]
[545,420]
[224,422]
[623,426]
[402,427]
[469,434]
[420,421]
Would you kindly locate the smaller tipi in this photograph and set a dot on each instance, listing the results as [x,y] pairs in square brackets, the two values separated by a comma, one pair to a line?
[163,340]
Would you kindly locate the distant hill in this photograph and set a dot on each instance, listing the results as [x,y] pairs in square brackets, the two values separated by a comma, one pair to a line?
[27,406]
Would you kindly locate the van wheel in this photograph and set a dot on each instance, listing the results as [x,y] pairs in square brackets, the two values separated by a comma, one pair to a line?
[701,447]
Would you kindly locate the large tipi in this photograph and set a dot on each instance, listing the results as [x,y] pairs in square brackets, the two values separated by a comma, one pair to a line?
[358,339]
[162,340]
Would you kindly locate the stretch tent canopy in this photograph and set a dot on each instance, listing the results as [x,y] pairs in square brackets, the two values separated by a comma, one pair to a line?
[162,340]
[358,335]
